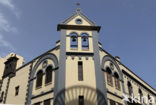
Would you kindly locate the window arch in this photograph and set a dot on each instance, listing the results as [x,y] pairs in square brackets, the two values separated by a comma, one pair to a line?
[84,40]
[117,80]
[73,40]
[130,88]
[49,71]
[141,95]
[39,78]
[109,76]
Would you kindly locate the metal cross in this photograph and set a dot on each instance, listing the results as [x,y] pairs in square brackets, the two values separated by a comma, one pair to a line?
[78,4]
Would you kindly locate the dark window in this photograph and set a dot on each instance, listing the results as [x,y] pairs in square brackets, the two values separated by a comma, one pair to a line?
[130,89]
[37,103]
[39,78]
[1,98]
[47,102]
[117,81]
[73,40]
[48,74]
[16,90]
[80,71]
[109,76]
[78,21]
[149,99]
[84,41]
[81,100]
[141,96]
[112,102]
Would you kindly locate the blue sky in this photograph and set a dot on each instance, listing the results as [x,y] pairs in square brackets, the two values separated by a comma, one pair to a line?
[29,28]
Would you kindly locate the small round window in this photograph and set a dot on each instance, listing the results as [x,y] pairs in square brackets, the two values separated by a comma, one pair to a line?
[78,21]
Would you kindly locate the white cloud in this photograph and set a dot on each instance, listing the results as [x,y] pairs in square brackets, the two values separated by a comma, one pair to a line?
[4,43]
[7,3]
[5,25]
[11,6]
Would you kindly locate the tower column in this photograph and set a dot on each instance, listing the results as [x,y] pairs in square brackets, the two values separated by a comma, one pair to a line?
[99,75]
[60,73]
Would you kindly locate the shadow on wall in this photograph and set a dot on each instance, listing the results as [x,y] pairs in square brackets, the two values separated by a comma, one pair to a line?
[80,95]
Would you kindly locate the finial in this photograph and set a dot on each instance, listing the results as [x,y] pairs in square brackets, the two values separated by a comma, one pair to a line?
[78,4]
[78,9]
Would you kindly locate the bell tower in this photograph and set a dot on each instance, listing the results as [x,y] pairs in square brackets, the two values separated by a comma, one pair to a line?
[79,30]
[79,61]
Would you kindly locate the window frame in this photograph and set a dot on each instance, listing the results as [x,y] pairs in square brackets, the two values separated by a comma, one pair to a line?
[83,45]
[141,95]
[112,102]
[73,45]
[117,81]
[130,88]
[80,71]
[81,100]
[39,80]
[38,103]
[49,74]
[109,76]
[48,100]
[17,90]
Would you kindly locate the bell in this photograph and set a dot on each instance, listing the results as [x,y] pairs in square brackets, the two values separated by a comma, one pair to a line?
[74,39]
[84,39]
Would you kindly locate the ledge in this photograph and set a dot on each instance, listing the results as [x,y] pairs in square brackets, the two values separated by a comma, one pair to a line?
[78,27]
[115,94]
[79,53]
[44,93]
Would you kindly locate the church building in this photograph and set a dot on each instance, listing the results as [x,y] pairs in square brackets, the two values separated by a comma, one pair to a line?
[77,71]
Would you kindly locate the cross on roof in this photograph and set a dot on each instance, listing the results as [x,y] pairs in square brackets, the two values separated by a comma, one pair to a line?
[78,4]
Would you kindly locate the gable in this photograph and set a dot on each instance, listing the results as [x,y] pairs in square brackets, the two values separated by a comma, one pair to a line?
[74,21]
[79,19]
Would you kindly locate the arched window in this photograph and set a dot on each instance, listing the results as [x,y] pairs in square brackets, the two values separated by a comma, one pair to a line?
[84,41]
[141,96]
[117,81]
[109,76]
[48,77]
[130,89]
[73,40]
[39,78]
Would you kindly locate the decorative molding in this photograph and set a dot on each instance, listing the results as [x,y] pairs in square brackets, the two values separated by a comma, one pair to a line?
[115,94]
[78,27]
[79,53]
[42,94]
